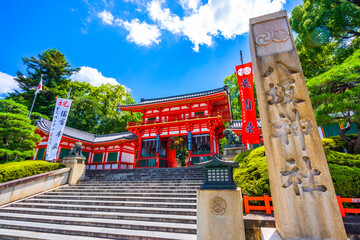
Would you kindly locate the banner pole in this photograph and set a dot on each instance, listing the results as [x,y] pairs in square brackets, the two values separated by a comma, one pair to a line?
[36,93]
[32,106]
[241,58]
[68,96]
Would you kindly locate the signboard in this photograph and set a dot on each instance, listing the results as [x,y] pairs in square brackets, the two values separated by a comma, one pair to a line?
[58,123]
[157,143]
[189,141]
[250,132]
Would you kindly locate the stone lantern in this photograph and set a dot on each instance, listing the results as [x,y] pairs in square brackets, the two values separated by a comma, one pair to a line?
[218,173]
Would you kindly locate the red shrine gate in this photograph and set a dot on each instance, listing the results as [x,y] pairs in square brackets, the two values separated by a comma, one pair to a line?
[195,119]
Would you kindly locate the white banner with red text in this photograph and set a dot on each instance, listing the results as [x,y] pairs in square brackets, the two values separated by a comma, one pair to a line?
[61,112]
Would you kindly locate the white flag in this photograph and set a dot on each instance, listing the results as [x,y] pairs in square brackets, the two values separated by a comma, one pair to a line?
[39,88]
[61,112]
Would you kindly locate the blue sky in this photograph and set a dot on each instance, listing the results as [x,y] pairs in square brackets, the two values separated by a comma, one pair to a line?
[155,48]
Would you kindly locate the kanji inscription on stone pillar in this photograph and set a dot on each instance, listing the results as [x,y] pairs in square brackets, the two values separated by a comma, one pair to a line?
[304,199]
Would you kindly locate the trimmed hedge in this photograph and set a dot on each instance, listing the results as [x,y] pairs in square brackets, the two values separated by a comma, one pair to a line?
[252,175]
[335,143]
[346,180]
[16,170]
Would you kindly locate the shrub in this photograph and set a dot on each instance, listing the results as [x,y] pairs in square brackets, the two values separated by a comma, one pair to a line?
[335,143]
[346,180]
[16,170]
[252,175]
[343,159]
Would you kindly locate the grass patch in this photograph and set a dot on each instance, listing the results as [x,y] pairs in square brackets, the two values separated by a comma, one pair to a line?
[16,170]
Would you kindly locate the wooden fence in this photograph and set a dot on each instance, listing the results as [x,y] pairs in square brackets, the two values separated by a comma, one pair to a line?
[268,208]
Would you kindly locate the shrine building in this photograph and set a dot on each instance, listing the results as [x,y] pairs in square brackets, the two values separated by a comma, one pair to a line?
[110,151]
[192,121]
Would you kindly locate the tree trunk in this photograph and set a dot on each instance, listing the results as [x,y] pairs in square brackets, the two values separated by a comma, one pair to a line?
[350,145]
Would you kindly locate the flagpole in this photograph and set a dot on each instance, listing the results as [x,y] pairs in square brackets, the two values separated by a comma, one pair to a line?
[36,93]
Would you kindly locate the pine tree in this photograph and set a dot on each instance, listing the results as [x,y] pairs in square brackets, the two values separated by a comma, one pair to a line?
[17,137]
[56,70]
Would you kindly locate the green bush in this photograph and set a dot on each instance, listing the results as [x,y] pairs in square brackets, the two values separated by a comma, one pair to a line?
[335,143]
[16,170]
[343,159]
[346,180]
[252,175]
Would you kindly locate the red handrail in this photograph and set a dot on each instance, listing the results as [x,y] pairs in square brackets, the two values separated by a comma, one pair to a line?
[268,208]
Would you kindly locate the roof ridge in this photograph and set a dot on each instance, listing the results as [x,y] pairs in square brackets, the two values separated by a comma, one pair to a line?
[80,135]
[186,94]
[171,98]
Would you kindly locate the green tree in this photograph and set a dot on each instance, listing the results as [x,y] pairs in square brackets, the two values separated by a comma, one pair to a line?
[232,83]
[16,132]
[327,33]
[335,96]
[95,110]
[56,70]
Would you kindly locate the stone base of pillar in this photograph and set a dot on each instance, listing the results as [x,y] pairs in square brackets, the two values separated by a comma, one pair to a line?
[270,234]
[220,215]
[77,172]
[231,152]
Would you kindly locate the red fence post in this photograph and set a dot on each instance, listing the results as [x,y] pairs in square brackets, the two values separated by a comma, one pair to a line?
[341,207]
[267,203]
[246,203]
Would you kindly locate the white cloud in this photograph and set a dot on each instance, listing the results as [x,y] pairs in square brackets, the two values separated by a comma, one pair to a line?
[7,83]
[106,17]
[166,20]
[142,34]
[92,76]
[227,18]
[191,5]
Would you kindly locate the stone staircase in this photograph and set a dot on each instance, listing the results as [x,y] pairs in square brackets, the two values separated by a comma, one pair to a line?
[110,204]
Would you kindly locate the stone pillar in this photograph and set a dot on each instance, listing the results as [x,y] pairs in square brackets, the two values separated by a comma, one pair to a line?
[77,165]
[303,195]
[220,215]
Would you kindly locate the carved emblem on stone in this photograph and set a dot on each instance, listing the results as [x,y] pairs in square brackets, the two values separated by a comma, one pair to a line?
[263,39]
[218,206]
[278,35]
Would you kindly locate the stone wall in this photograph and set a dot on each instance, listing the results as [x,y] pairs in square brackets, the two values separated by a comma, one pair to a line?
[25,187]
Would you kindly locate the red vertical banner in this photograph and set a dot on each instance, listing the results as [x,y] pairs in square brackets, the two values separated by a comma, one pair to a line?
[250,132]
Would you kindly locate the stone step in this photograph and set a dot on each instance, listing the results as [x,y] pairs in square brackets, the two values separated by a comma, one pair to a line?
[111,204]
[149,183]
[100,232]
[114,191]
[105,223]
[12,234]
[106,188]
[94,192]
[154,194]
[96,202]
[100,197]
[106,215]
[142,179]
[79,207]
[118,186]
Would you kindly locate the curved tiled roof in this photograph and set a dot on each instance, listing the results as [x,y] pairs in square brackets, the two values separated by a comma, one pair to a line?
[45,125]
[237,124]
[178,97]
